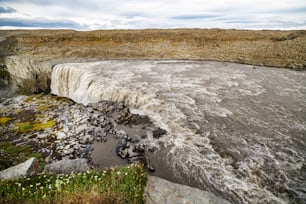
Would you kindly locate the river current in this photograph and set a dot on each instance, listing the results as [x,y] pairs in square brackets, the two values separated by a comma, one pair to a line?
[236,130]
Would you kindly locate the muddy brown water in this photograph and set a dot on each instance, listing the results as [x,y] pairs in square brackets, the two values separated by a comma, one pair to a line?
[236,130]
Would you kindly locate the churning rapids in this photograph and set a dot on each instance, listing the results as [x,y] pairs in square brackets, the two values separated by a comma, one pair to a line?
[236,130]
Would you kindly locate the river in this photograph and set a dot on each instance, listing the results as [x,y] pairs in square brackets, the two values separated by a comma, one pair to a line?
[236,130]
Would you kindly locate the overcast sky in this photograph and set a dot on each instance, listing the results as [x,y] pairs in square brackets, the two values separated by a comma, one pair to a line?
[139,14]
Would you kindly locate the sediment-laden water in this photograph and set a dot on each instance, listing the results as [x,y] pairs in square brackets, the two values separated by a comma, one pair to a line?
[236,130]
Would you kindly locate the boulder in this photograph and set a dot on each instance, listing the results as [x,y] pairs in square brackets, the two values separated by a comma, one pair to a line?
[160,191]
[67,166]
[27,168]
[158,132]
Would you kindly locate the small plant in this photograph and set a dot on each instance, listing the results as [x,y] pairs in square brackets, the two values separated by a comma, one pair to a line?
[116,185]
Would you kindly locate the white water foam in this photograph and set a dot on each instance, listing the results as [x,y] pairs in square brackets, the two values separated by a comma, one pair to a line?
[234,130]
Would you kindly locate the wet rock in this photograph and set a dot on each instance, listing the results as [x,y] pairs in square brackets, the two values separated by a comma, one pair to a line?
[133,153]
[135,160]
[151,149]
[140,147]
[120,106]
[123,153]
[158,132]
[27,168]
[67,166]
[151,168]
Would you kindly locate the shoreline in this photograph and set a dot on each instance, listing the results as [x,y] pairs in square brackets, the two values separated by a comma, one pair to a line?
[74,135]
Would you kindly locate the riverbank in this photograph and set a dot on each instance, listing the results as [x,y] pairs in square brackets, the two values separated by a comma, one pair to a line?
[56,130]
[52,129]
[59,128]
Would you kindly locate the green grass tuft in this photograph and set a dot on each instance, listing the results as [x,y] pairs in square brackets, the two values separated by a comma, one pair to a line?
[116,185]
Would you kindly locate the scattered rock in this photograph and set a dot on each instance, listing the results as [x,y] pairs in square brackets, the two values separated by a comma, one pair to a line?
[77,127]
[67,166]
[27,168]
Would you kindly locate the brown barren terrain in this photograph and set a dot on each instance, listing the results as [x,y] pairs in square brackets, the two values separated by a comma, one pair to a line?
[27,56]
[269,48]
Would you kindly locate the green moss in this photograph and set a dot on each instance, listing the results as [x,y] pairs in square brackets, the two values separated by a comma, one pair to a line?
[59,98]
[118,185]
[45,107]
[34,97]
[11,155]
[26,127]
[5,120]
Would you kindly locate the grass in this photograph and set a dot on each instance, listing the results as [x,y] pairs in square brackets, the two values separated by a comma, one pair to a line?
[116,185]
[11,155]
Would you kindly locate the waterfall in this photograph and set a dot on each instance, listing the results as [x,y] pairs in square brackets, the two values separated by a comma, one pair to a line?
[232,129]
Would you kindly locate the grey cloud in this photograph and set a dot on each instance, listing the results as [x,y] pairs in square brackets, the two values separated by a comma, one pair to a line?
[191,17]
[7,10]
[39,22]
[29,1]
[153,14]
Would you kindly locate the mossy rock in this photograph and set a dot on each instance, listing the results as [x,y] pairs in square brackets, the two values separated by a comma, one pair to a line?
[26,127]
[5,120]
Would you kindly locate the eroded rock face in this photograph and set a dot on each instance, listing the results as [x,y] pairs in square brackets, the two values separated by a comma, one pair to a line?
[26,168]
[160,191]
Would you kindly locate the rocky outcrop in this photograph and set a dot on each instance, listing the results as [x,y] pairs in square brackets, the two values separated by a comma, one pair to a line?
[61,129]
[67,166]
[160,191]
[29,74]
[26,168]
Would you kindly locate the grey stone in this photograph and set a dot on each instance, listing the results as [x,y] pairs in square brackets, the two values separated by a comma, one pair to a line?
[67,166]
[60,136]
[87,139]
[81,129]
[160,191]
[67,147]
[29,167]
[42,136]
